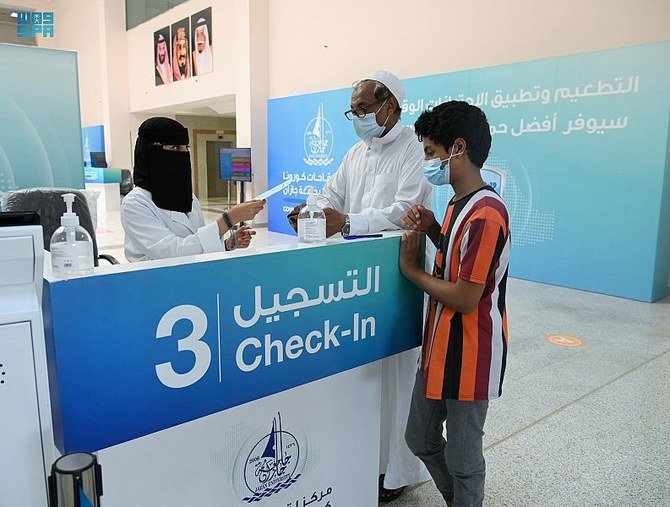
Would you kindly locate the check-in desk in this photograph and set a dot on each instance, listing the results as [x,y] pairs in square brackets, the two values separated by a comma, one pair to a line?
[249,377]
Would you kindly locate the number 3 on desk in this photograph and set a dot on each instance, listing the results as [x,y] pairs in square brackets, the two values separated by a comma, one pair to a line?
[192,343]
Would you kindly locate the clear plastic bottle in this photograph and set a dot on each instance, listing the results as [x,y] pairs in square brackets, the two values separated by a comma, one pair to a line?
[71,245]
[312,222]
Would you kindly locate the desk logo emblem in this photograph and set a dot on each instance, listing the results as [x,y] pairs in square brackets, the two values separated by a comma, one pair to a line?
[318,141]
[272,463]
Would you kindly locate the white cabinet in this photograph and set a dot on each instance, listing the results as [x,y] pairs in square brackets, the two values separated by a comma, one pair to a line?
[20,432]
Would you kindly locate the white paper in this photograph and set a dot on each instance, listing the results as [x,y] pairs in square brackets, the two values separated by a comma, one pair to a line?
[273,191]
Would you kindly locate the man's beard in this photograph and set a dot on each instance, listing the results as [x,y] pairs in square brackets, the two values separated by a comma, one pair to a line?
[161,59]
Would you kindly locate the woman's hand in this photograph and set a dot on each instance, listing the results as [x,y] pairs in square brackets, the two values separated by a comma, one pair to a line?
[243,238]
[245,211]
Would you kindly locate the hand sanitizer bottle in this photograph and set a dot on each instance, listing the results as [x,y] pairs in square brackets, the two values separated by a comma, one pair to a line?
[71,245]
[312,222]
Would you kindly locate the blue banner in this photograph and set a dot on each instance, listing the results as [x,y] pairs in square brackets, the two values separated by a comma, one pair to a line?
[308,136]
[580,154]
[136,352]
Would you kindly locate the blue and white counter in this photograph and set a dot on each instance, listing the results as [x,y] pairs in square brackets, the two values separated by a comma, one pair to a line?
[233,378]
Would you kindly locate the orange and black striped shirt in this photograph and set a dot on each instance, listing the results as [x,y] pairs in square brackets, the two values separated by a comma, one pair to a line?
[464,356]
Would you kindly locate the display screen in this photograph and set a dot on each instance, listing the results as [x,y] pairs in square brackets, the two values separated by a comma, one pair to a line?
[235,164]
[12,218]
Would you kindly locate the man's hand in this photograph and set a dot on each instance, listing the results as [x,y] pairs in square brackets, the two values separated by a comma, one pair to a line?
[419,219]
[293,216]
[334,221]
[411,250]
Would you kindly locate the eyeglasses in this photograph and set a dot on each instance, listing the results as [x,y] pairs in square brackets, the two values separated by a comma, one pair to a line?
[359,112]
[173,147]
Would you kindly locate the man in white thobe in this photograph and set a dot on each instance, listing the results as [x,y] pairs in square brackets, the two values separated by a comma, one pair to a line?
[379,179]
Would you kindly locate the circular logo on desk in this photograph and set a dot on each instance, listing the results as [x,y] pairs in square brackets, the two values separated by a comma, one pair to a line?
[318,141]
[272,463]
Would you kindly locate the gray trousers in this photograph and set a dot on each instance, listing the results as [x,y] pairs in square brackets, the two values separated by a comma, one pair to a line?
[457,463]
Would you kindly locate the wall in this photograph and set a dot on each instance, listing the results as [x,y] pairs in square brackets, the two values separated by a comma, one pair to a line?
[115,105]
[318,45]
[198,90]
[252,90]
[203,123]
[69,35]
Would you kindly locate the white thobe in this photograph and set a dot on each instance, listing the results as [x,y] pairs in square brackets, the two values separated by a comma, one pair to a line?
[375,185]
[155,233]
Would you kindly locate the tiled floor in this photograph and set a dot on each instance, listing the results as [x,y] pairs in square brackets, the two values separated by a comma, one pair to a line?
[587,426]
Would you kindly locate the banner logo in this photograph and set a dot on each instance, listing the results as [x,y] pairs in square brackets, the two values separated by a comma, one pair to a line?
[318,141]
[272,463]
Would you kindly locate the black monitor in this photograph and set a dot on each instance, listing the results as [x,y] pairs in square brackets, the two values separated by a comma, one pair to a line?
[14,218]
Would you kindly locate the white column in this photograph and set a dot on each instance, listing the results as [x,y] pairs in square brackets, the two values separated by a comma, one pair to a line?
[115,96]
[251,89]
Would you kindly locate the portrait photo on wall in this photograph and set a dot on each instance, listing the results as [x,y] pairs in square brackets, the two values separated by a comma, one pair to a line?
[181,50]
[201,25]
[163,67]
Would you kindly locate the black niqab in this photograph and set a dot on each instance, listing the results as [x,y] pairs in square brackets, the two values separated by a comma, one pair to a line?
[166,174]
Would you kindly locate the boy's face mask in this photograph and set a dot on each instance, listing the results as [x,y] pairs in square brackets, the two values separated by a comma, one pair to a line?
[435,173]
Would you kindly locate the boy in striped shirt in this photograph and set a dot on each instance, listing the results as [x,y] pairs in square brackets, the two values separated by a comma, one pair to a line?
[465,337]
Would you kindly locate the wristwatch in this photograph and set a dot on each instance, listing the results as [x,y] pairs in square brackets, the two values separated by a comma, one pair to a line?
[346,228]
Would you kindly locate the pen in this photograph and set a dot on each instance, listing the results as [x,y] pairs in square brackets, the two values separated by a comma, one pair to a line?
[359,236]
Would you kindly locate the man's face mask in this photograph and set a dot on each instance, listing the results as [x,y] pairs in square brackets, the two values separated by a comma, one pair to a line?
[435,173]
[366,127]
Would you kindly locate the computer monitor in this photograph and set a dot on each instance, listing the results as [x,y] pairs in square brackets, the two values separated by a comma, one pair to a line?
[98,159]
[235,164]
[17,218]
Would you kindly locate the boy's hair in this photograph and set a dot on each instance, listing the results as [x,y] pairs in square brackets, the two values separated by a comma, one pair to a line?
[453,119]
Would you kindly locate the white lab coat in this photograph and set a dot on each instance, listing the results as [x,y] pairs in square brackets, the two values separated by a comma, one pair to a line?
[155,233]
[375,185]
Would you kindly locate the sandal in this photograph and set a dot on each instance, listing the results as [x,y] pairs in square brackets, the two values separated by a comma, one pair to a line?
[388,495]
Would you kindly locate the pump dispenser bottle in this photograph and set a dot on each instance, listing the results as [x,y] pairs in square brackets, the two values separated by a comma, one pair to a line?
[71,245]
[312,222]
